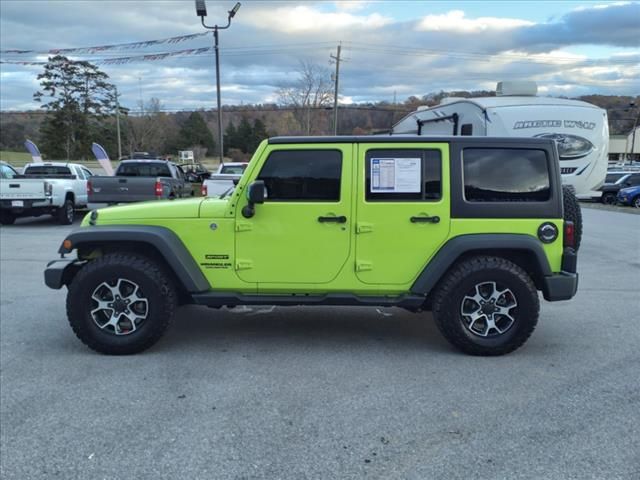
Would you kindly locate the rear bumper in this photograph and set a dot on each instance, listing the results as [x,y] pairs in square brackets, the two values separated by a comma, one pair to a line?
[563,285]
[60,272]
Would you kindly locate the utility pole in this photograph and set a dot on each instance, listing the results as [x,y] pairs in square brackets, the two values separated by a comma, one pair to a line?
[335,94]
[201,11]
[118,124]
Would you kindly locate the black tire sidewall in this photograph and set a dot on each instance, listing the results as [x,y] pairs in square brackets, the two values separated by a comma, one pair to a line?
[523,318]
[63,218]
[609,199]
[80,305]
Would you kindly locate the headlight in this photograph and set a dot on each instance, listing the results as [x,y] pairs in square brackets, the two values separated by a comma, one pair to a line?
[570,147]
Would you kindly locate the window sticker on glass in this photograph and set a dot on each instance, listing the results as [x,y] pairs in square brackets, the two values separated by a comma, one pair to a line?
[395,175]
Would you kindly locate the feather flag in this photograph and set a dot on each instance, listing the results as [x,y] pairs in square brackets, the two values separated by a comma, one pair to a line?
[102,157]
[33,150]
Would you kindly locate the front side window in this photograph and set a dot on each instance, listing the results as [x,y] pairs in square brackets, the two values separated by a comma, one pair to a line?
[303,175]
[505,175]
[403,175]
[87,173]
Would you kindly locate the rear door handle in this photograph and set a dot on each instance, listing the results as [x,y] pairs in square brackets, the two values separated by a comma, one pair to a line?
[426,219]
[340,219]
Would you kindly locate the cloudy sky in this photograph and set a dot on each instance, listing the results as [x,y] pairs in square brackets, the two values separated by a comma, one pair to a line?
[390,47]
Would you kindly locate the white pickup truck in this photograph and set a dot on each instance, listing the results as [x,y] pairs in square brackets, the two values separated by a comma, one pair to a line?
[224,180]
[53,188]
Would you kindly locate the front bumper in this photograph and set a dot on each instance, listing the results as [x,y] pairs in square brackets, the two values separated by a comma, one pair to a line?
[563,285]
[60,272]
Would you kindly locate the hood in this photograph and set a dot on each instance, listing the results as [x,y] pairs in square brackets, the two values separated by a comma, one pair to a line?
[158,209]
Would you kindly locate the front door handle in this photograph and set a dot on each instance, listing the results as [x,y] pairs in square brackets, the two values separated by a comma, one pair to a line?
[425,219]
[340,219]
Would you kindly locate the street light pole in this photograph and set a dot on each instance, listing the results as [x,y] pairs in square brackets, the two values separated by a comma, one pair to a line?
[201,11]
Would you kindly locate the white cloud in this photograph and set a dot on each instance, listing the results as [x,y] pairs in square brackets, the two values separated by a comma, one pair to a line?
[455,21]
[303,18]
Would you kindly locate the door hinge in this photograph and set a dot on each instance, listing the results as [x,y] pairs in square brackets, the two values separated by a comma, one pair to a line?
[363,266]
[244,264]
[243,227]
[363,227]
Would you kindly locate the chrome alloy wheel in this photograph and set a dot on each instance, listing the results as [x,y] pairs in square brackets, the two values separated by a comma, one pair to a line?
[486,309]
[119,308]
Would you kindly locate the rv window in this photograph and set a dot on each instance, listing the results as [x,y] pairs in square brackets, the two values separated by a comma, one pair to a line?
[466,129]
[505,175]
[430,171]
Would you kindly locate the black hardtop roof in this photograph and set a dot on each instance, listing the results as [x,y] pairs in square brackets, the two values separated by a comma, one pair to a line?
[511,141]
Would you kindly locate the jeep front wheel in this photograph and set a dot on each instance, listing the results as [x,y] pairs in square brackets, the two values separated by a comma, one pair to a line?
[121,304]
[486,306]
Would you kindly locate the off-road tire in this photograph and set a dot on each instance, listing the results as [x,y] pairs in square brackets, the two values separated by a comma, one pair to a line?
[460,279]
[154,282]
[7,218]
[66,213]
[573,213]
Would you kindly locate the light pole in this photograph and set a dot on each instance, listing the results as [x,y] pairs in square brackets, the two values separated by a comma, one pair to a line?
[201,11]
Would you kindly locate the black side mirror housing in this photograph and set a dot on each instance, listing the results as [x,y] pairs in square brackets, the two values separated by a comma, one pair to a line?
[255,195]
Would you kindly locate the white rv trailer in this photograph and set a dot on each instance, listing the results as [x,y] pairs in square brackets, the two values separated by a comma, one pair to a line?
[581,130]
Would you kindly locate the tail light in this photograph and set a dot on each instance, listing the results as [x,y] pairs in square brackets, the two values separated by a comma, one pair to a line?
[203,190]
[88,187]
[569,234]
[48,189]
[158,188]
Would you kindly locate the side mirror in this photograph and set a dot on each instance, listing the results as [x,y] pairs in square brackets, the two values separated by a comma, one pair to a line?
[255,195]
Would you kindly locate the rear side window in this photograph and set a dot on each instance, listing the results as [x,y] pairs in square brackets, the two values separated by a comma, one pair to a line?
[303,175]
[144,169]
[634,179]
[421,169]
[47,170]
[505,175]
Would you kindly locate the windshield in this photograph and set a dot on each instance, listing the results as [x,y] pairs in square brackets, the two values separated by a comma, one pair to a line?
[143,169]
[47,170]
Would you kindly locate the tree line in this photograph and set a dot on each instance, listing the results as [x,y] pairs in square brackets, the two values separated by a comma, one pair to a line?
[79,106]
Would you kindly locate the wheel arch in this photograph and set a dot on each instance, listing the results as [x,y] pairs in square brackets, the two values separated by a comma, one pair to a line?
[523,250]
[156,242]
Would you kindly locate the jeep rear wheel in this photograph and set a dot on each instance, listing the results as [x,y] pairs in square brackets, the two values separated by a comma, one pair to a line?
[121,304]
[486,306]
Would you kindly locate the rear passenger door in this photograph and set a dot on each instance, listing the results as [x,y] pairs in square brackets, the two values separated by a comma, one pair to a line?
[301,233]
[402,209]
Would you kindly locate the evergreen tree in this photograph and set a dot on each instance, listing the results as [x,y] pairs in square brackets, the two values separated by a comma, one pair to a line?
[195,133]
[230,137]
[78,97]
[258,133]
[245,132]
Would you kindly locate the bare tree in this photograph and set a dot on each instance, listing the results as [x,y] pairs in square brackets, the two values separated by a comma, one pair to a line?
[151,131]
[312,89]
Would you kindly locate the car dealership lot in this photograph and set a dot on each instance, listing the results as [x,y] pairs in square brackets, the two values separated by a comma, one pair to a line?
[323,392]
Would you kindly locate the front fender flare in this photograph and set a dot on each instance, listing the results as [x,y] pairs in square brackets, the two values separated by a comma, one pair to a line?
[166,242]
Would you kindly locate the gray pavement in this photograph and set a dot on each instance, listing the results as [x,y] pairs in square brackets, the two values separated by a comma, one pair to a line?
[324,393]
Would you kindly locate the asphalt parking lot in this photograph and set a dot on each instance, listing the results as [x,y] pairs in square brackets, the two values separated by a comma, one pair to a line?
[324,393]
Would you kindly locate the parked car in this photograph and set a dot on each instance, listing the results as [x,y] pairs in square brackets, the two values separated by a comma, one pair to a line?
[140,180]
[395,221]
[630,196]
[610,190]
[224,180]
[54,188]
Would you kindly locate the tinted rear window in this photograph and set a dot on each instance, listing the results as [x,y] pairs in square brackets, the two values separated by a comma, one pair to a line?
[47,170]
[505,175]
[233,169]
[144,169]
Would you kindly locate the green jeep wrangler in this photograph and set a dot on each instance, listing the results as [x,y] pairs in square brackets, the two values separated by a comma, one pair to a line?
[468,228]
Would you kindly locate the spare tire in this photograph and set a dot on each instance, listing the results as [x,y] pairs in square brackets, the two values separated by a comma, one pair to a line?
[572,213]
